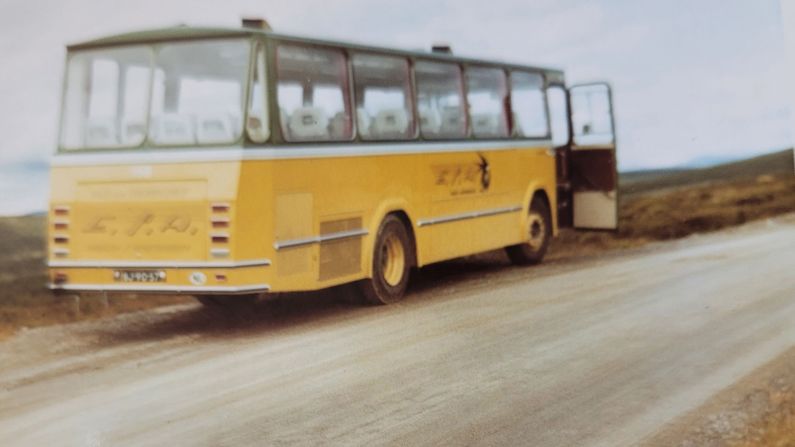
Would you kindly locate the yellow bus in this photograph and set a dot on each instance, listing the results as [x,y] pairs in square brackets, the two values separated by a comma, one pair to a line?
[231,163]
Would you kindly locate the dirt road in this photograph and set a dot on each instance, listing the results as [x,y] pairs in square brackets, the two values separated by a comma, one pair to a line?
[601,352]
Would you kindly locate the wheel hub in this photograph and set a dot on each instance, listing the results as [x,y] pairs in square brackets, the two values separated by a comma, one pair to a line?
[393,260]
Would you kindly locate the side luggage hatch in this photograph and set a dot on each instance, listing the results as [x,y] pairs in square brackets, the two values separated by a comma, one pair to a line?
[592,159]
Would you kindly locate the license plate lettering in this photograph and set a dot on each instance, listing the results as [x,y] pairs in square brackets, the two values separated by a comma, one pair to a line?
[139,275]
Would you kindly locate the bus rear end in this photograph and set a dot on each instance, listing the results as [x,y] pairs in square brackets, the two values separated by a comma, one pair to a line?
[159,228]
[145,184]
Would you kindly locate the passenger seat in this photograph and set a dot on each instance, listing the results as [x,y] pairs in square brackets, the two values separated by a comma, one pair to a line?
[308,123]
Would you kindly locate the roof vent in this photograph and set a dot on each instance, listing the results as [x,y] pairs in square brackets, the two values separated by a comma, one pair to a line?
[442,48]
[256,23]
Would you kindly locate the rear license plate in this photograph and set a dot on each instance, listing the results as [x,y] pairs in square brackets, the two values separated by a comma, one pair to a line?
[139,275]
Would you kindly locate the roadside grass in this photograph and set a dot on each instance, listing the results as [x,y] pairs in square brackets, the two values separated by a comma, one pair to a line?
[679,212]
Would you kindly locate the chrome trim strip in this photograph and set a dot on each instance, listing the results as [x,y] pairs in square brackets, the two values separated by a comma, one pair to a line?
[155,264]
[470,215]
[236,153]
[163,288]
[279,245]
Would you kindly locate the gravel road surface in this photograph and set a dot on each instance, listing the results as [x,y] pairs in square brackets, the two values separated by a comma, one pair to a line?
[603,351]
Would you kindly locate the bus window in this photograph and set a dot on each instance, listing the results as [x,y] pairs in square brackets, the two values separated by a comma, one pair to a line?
[383,97]
[198,92]
[486,94]
[313,94]
[591,115]
[105,98]
[257,122]
[440,101]
[529,105]
[558,115]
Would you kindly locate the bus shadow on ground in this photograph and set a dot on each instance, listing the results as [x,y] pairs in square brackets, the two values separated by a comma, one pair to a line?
[294,311]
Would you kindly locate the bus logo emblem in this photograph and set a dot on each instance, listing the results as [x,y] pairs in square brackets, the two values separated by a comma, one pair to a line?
[485,172]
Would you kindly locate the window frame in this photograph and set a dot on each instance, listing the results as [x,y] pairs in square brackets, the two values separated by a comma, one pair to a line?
[506,102]
[246,93]
[411,96]
[544,86]
[63,149]
[152,47]
[462,95]
[259,46]
[347,93]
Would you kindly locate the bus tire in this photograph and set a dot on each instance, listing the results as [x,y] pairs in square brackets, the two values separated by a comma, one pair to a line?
[228,302]
[391,264]
[539,230]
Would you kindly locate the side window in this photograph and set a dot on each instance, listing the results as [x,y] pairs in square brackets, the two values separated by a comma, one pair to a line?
[440,100]
[383,97]
[487,92]
[313,94]
[257,121]
[529,105]
[558,115]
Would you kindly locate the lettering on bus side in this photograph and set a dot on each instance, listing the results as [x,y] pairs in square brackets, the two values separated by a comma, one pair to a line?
[464,178]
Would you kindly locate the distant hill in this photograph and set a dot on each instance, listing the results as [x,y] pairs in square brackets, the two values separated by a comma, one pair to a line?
[20,235]
[776,163]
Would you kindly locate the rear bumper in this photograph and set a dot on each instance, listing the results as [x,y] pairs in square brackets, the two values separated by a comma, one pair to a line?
[162,289]
[193,278]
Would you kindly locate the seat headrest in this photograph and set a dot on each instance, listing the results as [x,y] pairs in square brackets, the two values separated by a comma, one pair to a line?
[101,132]
[486,125]
[308,123]
[391,123]
[452,122]
[173,128]
[429,121]
[216,128]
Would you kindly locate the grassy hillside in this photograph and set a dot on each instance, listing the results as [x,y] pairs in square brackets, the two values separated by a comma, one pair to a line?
[776,163]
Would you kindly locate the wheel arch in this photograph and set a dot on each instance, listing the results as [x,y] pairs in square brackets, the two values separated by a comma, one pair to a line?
[401,210]
[546,194]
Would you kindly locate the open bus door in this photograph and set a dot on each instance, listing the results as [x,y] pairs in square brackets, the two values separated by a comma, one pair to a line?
[591,161]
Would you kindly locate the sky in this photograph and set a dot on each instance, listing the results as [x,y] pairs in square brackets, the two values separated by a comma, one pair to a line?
[692,79]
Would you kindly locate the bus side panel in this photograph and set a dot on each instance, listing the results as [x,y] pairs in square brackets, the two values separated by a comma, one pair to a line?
[319,203]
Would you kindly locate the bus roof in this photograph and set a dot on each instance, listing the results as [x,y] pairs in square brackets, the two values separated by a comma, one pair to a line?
[184,32]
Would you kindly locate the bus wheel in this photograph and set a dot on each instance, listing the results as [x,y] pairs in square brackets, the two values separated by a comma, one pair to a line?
[391,264]
[539,231]
[230,302]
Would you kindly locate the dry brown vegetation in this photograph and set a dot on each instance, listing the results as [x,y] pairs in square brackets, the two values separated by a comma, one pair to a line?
[676,213]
